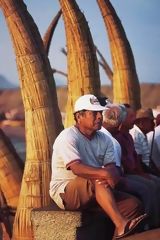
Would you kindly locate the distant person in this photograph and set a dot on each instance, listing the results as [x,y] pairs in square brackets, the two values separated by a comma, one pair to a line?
[84,171]
[132,162]
[113,117]
[143,124]
[154,142]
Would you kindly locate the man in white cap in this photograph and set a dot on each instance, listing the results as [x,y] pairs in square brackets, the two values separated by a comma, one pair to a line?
[83,169]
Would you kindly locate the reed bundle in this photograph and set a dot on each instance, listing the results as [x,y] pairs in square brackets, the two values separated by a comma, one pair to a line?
[83,71]
[11,171]
[126,88]
[42,116]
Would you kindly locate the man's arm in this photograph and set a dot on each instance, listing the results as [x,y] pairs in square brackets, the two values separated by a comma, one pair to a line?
[87,171]
[107,173]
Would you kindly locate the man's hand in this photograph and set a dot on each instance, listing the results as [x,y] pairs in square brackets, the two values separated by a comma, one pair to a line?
[105,175]
[102,182]
[112,176]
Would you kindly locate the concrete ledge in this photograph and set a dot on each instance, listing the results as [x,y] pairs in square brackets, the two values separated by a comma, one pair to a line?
[56,224]
[52,223]
[49,224]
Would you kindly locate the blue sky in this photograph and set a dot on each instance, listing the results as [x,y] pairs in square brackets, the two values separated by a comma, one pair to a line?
[140,19]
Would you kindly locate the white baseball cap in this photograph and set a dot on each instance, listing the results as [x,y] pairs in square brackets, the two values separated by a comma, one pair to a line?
[88,102]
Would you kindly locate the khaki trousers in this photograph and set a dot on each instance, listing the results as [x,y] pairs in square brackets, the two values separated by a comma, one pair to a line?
[79,194]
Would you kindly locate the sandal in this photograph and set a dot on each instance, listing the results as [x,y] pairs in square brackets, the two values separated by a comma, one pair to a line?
[131,230]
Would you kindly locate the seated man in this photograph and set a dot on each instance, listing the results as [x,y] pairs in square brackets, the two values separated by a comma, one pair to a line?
[132,165]
[143,124]
[83,170]
[113,118]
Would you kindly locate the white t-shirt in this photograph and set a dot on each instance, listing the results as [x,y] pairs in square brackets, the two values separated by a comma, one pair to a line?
[140,144]
[70,146]
[156,145]
[116,145]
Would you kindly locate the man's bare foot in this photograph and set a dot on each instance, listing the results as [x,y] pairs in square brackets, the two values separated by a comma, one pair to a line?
[130,226]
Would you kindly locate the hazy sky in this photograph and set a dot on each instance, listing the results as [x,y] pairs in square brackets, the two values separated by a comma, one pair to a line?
[140,19]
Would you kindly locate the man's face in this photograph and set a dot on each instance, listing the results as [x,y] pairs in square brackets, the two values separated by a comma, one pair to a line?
[90,120]
[147,125]
[130,119]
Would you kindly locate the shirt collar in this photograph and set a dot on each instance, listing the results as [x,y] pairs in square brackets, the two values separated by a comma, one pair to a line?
[138,129]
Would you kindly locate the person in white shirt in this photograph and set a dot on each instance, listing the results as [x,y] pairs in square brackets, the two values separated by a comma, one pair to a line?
[113,117]
[154,142]
[111,121]
[144,123]
[83,169]
[116,145]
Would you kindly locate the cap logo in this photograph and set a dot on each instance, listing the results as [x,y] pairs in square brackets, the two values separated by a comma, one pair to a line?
[94,101]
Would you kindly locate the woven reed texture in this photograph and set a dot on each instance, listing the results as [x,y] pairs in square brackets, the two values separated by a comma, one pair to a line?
[49,33]
[11,171]
[5,223]
[83,71]
[126,88]
[42,116]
